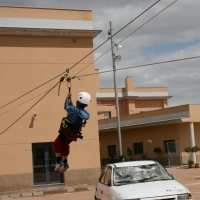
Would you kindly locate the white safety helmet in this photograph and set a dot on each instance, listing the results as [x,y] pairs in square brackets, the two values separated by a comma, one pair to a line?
[84,97]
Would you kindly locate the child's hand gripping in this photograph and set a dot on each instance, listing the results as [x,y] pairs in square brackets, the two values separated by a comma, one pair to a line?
[70,100]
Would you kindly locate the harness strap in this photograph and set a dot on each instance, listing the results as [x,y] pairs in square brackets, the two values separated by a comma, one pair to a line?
[66,123]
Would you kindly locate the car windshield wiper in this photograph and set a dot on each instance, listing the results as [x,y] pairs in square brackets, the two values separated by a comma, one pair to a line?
[121,182]
[144,179]
[133,181]
[164,179]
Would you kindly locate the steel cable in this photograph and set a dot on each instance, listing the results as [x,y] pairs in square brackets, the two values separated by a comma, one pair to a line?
[82,58]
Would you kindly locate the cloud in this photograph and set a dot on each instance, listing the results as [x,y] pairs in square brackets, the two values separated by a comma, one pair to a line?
[173,34]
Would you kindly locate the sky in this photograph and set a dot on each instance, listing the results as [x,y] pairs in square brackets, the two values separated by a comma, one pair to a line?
[173,34]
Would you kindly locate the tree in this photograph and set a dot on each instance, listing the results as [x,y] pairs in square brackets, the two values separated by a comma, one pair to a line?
[157,150]
[129,153]
[188,149]
[149,142]
[195,149]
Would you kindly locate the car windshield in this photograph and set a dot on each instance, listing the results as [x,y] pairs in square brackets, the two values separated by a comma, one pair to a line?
[131,174]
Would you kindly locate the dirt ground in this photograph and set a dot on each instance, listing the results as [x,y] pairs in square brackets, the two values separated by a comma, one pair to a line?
[189,177]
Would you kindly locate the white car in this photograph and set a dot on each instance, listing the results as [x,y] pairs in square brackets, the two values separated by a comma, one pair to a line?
[139,180]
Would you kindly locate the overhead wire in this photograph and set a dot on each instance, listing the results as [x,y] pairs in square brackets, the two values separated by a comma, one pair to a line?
[125,68]
[72,67]
[84,56]
[137,66]
[127,36]
[147,21]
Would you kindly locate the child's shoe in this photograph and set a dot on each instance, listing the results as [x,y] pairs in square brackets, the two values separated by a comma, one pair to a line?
[58,165]
[64,167]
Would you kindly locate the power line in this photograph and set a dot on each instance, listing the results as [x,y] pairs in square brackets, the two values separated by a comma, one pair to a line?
[84,56]
[137,66]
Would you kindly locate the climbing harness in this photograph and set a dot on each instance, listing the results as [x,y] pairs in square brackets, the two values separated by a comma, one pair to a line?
[65,122]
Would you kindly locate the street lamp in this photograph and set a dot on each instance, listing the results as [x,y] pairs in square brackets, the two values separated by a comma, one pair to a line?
[116,58]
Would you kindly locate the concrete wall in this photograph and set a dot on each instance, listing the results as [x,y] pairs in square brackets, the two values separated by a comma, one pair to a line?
[158,135]
[25,63]
[185,140]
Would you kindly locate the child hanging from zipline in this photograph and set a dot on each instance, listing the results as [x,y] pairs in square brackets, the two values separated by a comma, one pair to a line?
[70,128]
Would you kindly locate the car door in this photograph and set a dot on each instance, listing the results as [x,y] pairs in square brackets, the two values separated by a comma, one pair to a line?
[99,184]
[107,184]
[104,185]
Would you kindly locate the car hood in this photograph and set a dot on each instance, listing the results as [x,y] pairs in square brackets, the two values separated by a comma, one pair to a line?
[151,189]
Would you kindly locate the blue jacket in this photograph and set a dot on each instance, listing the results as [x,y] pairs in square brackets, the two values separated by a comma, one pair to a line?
[76,113]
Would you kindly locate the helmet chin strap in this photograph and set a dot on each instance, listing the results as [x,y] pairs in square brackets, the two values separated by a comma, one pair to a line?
[78,103]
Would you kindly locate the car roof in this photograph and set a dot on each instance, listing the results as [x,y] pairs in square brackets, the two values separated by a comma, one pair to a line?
[133,163]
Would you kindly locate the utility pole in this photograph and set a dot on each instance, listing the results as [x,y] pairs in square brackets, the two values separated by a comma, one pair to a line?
[114,57]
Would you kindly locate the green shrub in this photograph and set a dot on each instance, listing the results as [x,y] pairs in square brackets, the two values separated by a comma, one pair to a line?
[195,149]
[157,150]
[190,161]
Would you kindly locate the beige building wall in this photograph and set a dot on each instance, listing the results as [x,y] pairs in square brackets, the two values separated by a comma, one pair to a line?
[26,62]
[131,99]
[158,135]
[43,13]
[157,125]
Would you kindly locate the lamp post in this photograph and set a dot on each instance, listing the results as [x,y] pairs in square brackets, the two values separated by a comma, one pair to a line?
[115,58]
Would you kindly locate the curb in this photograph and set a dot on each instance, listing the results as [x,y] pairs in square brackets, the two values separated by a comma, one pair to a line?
[50,192]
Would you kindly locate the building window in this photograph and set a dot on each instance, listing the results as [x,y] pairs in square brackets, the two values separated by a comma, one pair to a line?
[138,148]
[107,115]
[74,40]
[170,145]
[112,150]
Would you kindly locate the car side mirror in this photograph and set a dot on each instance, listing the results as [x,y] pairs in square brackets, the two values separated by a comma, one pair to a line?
[109,183]
[172,176]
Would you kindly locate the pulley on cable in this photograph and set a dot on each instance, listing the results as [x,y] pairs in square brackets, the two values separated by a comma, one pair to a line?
[68,80]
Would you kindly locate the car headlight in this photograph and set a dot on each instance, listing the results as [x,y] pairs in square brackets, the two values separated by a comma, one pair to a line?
[184,196]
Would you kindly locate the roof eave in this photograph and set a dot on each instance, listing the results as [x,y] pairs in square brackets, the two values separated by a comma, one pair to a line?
[148,124]
[49,32]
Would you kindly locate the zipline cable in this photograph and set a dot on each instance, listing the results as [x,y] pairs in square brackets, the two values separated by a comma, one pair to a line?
[128,36]
[84,56]
[137,66]
[156,63]
[29,109]
[23,103]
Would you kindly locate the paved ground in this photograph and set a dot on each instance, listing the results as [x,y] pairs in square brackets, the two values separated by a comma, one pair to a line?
[190,178]
[86,195]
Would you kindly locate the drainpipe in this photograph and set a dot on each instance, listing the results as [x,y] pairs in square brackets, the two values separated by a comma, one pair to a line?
[192,140]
